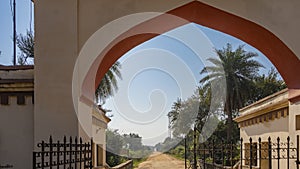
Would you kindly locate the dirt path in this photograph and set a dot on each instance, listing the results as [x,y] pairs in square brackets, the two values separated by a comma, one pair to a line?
[161,161]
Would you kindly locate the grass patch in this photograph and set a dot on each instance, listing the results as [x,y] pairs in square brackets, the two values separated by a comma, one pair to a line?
[179,157]
[137,161]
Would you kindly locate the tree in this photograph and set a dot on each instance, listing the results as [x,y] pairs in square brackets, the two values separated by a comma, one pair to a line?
[108,85]
[114,144]
[26,45]
[239,69]
[265,85]
[134,141]
[173,114]
[186,116]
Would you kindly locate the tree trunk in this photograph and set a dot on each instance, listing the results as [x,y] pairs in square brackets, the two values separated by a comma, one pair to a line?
[229,127]
[229,120]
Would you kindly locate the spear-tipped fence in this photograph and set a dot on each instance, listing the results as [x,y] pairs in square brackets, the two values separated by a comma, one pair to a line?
[248,153]
[67,154]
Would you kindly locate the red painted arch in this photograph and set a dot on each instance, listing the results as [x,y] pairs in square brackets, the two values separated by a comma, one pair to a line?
[271,46]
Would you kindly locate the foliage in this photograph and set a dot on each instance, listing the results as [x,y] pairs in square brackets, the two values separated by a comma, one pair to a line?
[108,85]
[186,116]
[123,147]
[177,152]
[173,114]
[26,45]
[137,161]
[241,74]
[114,144]
[134,141]
[265,85]
[239,69]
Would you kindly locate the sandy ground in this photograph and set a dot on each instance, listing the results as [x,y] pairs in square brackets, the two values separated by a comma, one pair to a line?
[161,161]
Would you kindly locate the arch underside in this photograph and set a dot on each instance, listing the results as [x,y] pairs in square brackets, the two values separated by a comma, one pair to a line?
[271,46]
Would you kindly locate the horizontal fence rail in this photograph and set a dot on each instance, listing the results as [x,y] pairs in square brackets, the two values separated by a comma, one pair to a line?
[250,154]
[67,155]
[126,165]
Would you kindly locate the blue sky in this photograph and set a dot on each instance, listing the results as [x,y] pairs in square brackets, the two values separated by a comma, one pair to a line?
[161,70]
[155,73]
[6,33]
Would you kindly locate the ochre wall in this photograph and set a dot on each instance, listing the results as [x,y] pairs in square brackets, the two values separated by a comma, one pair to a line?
[16,133]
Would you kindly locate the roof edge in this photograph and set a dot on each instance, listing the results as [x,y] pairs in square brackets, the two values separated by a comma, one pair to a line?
[16,67]
[264,99]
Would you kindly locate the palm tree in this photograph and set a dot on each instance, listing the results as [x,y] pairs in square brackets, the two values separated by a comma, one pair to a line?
[108,85]
[239,69]
[175,110]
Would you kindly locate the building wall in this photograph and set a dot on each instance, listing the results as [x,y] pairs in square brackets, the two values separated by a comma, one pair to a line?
[55,54]
[99,138]
[273,129]
[294,110]
[16,134]
[61,28]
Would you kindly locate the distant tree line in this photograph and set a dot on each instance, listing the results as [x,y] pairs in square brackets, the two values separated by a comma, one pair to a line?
[123,147]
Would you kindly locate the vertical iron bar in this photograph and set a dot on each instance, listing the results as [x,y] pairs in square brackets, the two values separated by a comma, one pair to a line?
[76,141]
[213,153]
[251,157]
[42,153]
[231,154]
[204,154]
[222,152]
[195,146]
[70,153]
[80,153]
[288,152]
[58,155]
[241,153]
[14,34]
[91,154]
[34,160]
[65,151]
[270,152]
[297,152]
[185,167]
[278,152]
[84,154]
[50,151]
[259,151]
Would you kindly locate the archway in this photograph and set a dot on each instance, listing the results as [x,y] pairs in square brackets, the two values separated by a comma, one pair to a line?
[270,45]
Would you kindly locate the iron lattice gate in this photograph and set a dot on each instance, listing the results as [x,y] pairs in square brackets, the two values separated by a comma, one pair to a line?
[270,153]
[66,155]
[250,154]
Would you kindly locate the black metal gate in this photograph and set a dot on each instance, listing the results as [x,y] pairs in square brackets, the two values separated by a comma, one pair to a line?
[265,154]
[67,155]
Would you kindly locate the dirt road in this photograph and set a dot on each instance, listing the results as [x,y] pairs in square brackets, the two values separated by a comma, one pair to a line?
[161,161]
